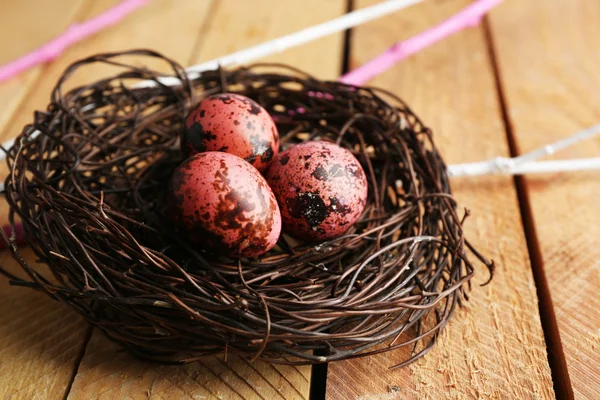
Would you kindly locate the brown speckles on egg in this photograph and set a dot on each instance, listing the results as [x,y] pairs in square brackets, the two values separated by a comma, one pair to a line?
[222,202]
[235,123]
[267,156]
[284,158]
[321,189]
[198,137]
[320,173]
[307,206]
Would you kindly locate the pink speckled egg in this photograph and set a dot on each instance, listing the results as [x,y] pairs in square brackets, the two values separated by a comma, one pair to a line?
[321,189]
[233,124]
[223,203]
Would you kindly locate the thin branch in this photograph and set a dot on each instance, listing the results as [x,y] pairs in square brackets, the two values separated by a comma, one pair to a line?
[526,163]
[499,166]
[295,39]
[469,16]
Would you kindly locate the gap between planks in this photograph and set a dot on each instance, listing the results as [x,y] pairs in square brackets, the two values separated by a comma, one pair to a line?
[77,363]
[556,356]
[347,42]
[212,10]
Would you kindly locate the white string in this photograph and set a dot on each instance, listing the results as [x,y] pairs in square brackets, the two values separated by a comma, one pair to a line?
[295,39]
[559,145]
[523,164]
[527,164]
[532,167]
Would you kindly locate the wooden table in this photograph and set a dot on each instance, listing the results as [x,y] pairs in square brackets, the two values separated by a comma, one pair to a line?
[526,76]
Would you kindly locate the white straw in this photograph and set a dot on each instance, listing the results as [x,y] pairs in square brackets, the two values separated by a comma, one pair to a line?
[524,164]
[541,167]
[558,145]
[531,167]
[280,44]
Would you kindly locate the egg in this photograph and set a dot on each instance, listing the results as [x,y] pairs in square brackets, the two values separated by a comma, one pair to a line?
[233,124]
[224,204]
[321,189]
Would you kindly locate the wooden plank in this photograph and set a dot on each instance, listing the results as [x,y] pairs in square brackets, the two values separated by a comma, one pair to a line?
[107,373]
[494,347]
[42,340]
[548,60]
[41,343]
[240,24]
[26,25]
[167,26]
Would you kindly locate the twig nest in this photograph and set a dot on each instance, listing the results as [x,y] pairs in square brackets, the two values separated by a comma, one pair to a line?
[91,191]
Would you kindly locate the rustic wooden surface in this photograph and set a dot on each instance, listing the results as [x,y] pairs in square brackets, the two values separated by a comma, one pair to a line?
[54,17]
[547,58]
[494,348]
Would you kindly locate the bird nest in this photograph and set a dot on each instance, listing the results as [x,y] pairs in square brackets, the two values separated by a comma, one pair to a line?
[88,179]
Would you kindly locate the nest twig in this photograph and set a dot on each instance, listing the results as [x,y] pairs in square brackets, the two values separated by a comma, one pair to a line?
[89,190]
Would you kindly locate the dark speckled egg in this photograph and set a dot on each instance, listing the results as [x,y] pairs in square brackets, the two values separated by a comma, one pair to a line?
[224,204]
[321,189]
[233,124]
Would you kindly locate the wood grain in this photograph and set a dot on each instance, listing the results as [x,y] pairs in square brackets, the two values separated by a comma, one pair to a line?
[493,348]
[40,341]
[107,373]
[26,25]
[170,27]
[548,59]
[237,25]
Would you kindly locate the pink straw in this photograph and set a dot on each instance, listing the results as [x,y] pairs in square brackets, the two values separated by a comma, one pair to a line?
[469,16]
[72,35]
